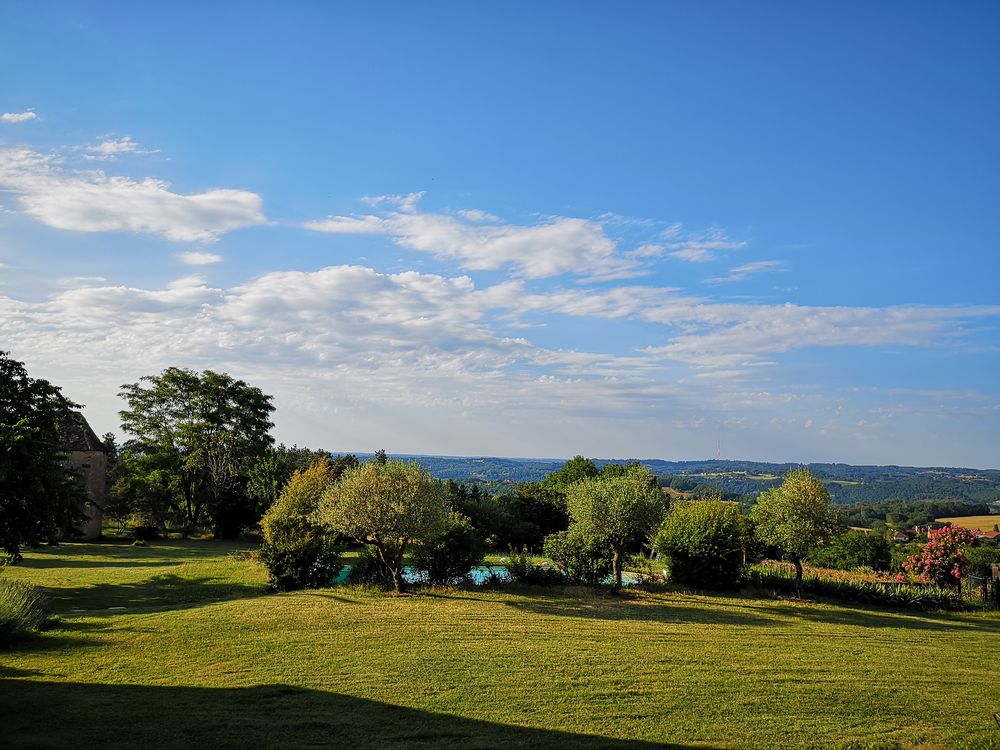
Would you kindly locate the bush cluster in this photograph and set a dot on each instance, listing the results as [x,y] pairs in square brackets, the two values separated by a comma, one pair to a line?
[706,542]
[448,558]
[581,561]
[296,552]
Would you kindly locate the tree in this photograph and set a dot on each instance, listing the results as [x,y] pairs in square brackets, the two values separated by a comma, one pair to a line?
[706,541]
[201,432]
[795,517]
[38,497]
[386,506]
[616,511]
[296,551]
[855,549]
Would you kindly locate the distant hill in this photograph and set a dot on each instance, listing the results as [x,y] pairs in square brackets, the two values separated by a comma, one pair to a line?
[847,483]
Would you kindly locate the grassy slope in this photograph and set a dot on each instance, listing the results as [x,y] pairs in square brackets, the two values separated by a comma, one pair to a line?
[200,655]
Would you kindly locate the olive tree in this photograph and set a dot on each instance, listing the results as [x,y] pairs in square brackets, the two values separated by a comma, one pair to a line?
[795,517]
[386,505]
[616,511]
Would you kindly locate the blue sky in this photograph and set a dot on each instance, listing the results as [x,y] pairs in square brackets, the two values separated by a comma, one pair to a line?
[661,230]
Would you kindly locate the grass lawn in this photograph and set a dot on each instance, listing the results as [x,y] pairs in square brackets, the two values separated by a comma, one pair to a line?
[200,655]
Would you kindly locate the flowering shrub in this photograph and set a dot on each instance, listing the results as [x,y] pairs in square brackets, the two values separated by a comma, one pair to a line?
[942,559]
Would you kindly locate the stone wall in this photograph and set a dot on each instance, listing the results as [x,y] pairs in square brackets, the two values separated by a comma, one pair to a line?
[92,467]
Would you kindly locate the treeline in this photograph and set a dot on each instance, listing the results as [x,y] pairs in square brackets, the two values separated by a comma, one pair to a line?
[904,514]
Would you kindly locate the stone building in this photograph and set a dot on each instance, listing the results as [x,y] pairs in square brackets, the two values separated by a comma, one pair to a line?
[85,454]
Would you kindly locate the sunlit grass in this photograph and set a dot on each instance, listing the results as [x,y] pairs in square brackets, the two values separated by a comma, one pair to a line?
[200,654]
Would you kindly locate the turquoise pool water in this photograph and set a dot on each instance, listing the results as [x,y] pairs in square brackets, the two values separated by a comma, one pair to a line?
[479,575]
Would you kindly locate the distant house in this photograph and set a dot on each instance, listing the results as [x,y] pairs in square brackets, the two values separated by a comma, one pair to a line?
[900,537]
[85,453]
[988,537]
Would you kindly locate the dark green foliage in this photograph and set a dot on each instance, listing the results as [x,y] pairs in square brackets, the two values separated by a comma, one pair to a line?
[144,533]
[926,597]
[576,469]
[706,541]
[579,560]
[522,569]
[448,558]
[904,514]
[309,563]
[23,610]
[982,558]
[39,499]
[368,570]
[854,549]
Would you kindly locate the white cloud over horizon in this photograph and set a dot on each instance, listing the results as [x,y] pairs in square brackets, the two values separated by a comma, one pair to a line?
[351,338]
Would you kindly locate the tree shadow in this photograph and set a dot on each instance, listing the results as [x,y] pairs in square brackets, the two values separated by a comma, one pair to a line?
[164,591]
[718,608]
[53,714]
[39,563]
[846,614]
[582,603]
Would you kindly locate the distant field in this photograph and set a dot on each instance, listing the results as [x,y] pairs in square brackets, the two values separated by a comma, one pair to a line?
[201,656]
[983,523]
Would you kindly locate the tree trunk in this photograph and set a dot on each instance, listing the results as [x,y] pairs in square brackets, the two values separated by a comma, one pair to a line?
[798,576]
[616,571]
[394,566]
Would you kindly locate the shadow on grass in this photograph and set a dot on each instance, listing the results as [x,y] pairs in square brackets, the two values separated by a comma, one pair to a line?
[53,714]
[719,608]
[44,563]
[586,604]
[158,592]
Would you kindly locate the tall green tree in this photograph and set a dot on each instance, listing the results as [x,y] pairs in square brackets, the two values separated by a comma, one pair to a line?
[201,432]
[38,497]
[616,511]
[795,517]
[387,506]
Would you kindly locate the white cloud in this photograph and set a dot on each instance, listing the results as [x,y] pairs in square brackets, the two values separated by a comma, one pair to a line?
[96,202]
[699,247]
[110,149]
[479,242]
[13,117]
[198,258]
[745,271]
[431,360]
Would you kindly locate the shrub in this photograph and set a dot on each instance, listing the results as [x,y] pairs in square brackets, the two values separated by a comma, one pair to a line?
[296,552]
[144,533]
[448,557]
[981,559]
[706,542]
[942,559]
[581,561]
[23,610]
[523,569]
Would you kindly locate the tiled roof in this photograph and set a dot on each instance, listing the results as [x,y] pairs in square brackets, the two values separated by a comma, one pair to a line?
[77,435]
